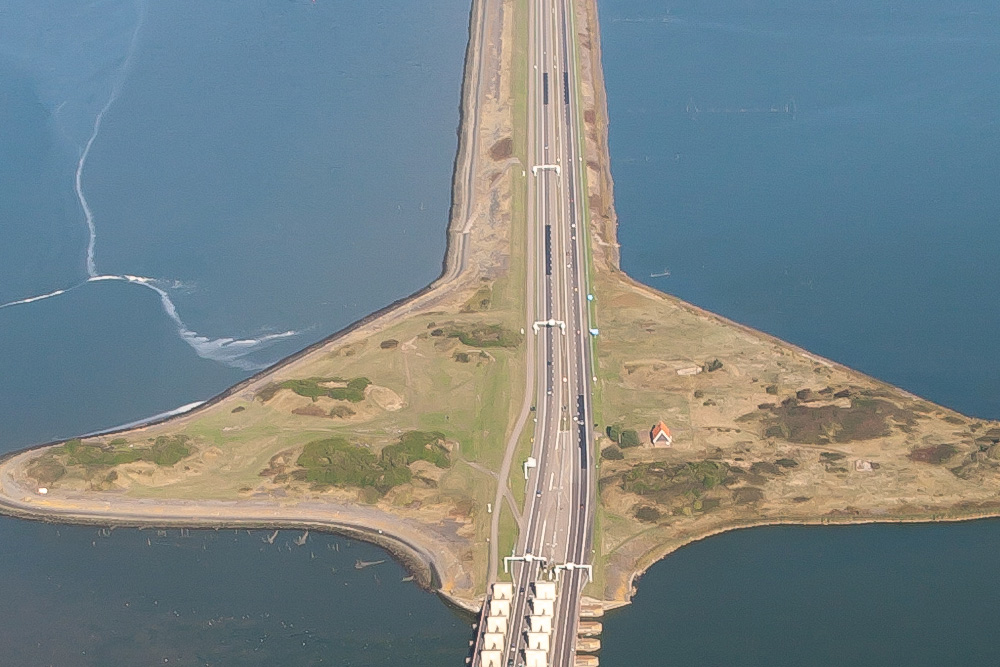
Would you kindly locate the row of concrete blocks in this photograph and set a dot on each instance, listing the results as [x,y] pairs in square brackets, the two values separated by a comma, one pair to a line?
[542,604]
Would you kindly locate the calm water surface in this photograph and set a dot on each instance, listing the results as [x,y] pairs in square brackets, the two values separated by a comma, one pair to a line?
[860,224]
[869,596]
[825,172]
[255,162]
[255,166]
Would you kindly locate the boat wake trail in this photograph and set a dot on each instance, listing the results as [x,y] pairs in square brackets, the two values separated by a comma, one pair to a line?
[233,352]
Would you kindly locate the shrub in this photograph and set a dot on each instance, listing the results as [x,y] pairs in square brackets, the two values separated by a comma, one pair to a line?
[335,461]
[747,494]
[313,388]
[936,454]
[615,432]
[418,446]
[165,451]
[612,453]
[487,335]
[711,366]
[45,470]
[268,392]
[647,513]
[359,384]
[629,438]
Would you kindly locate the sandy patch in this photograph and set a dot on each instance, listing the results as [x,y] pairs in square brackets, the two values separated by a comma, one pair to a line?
[385,398]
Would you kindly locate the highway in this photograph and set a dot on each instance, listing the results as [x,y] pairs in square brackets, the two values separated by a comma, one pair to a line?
[559,499]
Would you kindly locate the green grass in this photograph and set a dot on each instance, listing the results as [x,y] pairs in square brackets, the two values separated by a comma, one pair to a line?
[595,588]
[493,407]
[523,451]
[519,80]
[506,538]
[509,289]
[164,451]
[480,301]
[471,490]
[46,470]
[337,462]
[418,446]
[313,388]
[485,335]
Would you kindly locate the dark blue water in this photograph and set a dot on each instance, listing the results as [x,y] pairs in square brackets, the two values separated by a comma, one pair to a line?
[785,597]
[255,165]
[78,596]
[862,225]
[825,172]
[256,162]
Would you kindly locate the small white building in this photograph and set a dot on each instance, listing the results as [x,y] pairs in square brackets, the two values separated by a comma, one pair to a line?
[545,590]
[499,608]
[491,658]
[537,640]
[543,607]
[536,658]
[493,641]
[503,591]
[496,624]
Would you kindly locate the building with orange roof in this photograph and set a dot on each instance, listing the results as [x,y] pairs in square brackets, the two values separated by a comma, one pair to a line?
[660,436]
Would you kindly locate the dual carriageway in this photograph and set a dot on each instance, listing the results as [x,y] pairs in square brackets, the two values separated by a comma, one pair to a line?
[557,538]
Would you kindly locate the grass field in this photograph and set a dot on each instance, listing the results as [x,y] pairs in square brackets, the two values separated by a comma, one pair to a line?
[507,539]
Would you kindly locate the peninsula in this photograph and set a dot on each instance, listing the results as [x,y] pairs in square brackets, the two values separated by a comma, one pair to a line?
[411,428]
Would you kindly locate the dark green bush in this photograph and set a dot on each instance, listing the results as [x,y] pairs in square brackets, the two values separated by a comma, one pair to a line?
[612,453]
[629,438]
[647,513]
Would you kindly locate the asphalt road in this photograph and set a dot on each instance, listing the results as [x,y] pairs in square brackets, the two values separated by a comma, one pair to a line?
[560,499]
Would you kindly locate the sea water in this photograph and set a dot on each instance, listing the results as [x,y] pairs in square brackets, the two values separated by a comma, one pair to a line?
[825,172]
[853,219]
[188,192]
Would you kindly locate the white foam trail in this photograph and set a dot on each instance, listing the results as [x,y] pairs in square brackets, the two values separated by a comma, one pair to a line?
[33,299]
[226,350]
[229,351]
[139,422]
[112,98]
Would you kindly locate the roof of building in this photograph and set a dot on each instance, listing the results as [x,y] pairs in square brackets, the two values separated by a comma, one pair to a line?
[660,430]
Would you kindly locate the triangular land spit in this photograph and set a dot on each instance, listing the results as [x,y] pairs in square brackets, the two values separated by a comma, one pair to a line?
[395,430]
